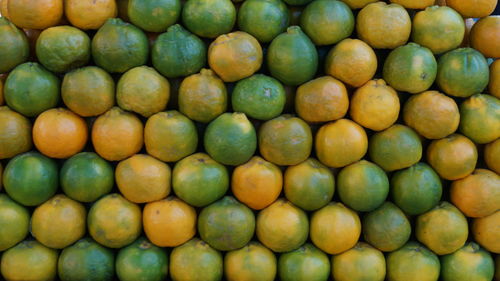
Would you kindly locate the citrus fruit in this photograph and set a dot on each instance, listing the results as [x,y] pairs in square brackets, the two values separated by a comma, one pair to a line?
[35,14]
[470,262]
[88,91]
[257,183]
[89,14]
[414,4]
[14,222]
[352,61]
[396,147]
[254,262]
[340,143]
[412,262]
[59,133]
[169,222]
[289,51]
[363,186]
[285,140]
[309,185]
[492,156]
[15,49]
[494,85]
[335,228]
[473,8]
[263,19]
[195,260]
[479,116]
[170,136]
[484,36]
[327,22]
[322,99]
[143,90]
[209,18]
[452,157]
[304,263]
[30,89]
[141,261]
[282,227]
[357,4]
[114,222]
[363,262]
[178,52]
[410,68]
[154,15]
[15,133]
[117,134]
[202,96]
[31,178]
[486,232]
[86,260]
[443,229]
[199,180]
[259,96]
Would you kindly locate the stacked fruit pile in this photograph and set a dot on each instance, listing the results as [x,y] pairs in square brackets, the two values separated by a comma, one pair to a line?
[257,140]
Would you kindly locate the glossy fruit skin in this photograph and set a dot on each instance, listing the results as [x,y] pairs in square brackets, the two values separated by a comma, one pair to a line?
[189,174]
[209,18]
[35,14]
[169,222]
[363,262]
[473,8]
[15,48]
[494,84]
[470,262]
[170,136]
[15,133]
[292,50]
[484,36]
[254,262]
[304,263]
[335,228]
[14,222]
[119,46]
[230,139]
[89,14]
[383,26]
[141,261]
[413,262]
[322,99]
[478,194]
[462,73]
[375,105]
[86,260]
[259,96]
[386,228]
[395,148]
[88,91]
[492,156]
[195,260]
[202,96]
[187,56]
[486,233]
[30,89]
[282,227]
[327,22]
[154,15]
[479,118]
[31,178]
[358,4]
[309,185]
[432,114]
[297,2]
[440,29]
[443,229]
[143,90]
[453,157]
[29,260]
[340,143]
[263,19]
[410,68]
[285,140]
[114,222]
[414,4]
[226,224]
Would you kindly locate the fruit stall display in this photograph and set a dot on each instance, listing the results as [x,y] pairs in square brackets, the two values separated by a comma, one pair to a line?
[351,140]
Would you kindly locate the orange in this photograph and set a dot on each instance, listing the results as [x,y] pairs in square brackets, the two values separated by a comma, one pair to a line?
[117,134]
[322,99]
[477,195]
[358,4]
[4,9]
[352,61]
[142,178]
[494,85]
[257,183]
[59,222]
[252,262]
[35,14]
[89,14]
[492,156]
[59,133]
[375,105]
[485,36]
[473,8]
[15,133]
[414,4]
[341,143]
[486,232]
[2,80]
[363,262]
[169,222]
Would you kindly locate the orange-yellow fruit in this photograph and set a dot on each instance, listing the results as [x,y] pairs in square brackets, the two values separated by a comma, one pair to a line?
[486,232]
[414,4]
[494,85]
[485,36]
[473,8]
[35,14]
[89,14]
[15,133]
[492,156]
